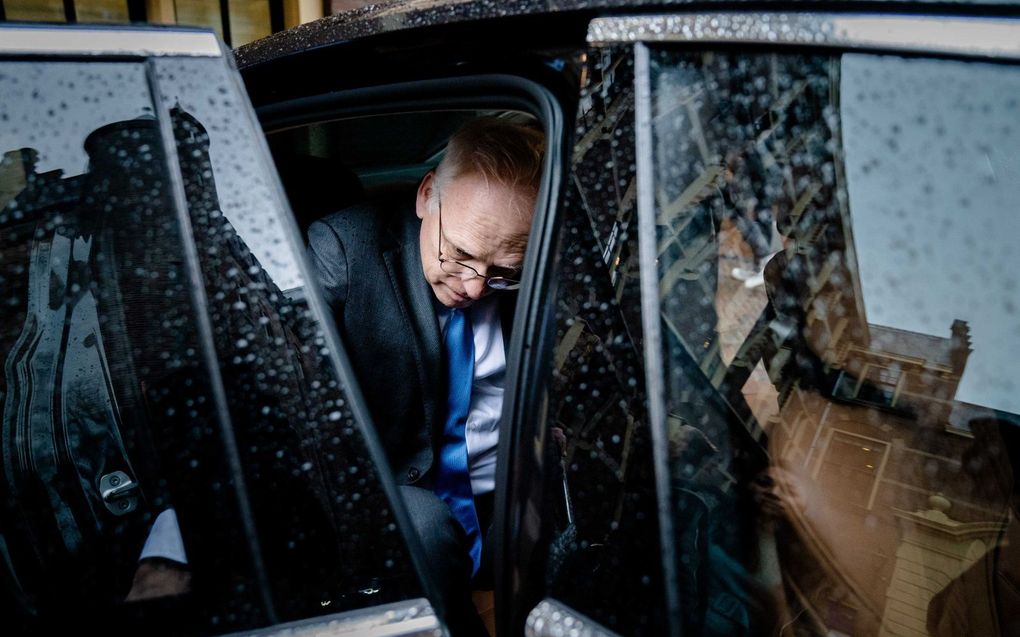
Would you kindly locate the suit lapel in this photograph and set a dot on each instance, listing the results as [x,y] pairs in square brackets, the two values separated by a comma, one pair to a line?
[414,296]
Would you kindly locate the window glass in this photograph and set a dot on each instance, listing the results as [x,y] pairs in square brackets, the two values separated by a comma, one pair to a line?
[97,342]
[600,533]
[214,481]
[837,289]
[328,533]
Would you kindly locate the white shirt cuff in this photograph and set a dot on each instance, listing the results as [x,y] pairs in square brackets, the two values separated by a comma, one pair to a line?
[164,539]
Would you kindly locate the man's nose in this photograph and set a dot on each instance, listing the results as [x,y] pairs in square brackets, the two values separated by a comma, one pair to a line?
[475,288]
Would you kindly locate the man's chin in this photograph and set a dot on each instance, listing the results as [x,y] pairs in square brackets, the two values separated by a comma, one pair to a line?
[451,299]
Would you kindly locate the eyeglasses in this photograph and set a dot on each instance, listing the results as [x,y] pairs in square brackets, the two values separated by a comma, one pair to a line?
[465,272]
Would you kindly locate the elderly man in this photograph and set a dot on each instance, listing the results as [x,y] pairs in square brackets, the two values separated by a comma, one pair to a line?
[421,292]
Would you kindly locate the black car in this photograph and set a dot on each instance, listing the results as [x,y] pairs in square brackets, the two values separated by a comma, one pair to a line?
[762,378]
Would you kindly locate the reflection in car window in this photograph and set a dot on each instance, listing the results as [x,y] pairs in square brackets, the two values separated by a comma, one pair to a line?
[601,532]
[329,537]
[96,328]
[837,292]
[243,186]
[112,416]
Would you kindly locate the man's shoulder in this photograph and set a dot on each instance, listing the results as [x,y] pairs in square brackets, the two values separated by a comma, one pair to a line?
[370,218]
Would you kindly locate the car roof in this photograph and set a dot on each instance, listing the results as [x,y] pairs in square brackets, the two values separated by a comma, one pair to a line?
[400,15]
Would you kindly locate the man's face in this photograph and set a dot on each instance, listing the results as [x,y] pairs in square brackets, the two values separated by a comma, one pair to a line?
[485,226]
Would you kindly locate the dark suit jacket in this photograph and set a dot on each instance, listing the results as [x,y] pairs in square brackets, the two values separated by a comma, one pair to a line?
[368,262]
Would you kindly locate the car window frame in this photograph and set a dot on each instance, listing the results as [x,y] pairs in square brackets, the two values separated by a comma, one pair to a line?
[472,92]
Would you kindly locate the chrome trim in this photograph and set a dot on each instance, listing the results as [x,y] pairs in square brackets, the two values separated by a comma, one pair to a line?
[409,618]
[983,37]
[651,324]
[553,619]
[47,40]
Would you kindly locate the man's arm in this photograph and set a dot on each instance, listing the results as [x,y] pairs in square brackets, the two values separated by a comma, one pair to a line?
[329,260]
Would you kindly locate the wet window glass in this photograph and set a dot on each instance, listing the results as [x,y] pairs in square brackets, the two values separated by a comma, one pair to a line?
[837,287]
[600,534]
[176,458]
[328,534]
[97,341]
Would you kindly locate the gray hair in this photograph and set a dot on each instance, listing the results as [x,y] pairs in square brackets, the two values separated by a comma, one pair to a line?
[507,152]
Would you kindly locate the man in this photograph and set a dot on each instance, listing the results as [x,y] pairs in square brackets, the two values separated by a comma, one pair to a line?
[422,296]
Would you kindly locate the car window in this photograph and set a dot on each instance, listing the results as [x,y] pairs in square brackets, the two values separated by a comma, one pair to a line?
[204,430]
[96,331]
[596,500]
[329,536]
[837,295]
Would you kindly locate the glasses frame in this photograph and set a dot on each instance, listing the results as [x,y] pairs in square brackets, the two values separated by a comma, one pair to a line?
[492,282]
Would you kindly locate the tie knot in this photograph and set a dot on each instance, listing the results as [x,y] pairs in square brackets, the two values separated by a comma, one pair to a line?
[456,323]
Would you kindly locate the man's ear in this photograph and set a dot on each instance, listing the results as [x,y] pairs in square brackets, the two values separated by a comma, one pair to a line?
[425,192]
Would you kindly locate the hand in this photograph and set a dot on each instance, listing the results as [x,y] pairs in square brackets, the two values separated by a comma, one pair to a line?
[159,578]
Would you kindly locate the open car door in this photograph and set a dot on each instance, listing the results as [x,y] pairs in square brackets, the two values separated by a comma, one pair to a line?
[183,449]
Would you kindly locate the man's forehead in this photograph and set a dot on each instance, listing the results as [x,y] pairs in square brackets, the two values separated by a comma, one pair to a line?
[474,186]
[484,240]
[499,206]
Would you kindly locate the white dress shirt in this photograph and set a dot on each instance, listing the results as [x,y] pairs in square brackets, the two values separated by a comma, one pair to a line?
[165,539]
[482,429]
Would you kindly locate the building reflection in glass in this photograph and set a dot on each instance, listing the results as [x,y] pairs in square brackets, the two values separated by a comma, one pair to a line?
[837,476]
[105,379]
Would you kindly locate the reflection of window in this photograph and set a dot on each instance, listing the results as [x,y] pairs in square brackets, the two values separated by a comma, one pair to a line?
[885,376]
[879,384]
[108,409]
[840,151]
[849,469]
[95,329]
[14,168]
[285,393]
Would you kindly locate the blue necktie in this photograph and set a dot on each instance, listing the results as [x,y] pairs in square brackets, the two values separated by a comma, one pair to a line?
[453,482]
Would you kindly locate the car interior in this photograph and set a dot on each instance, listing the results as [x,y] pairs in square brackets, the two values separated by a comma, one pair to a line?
[328,166]
[331,165]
